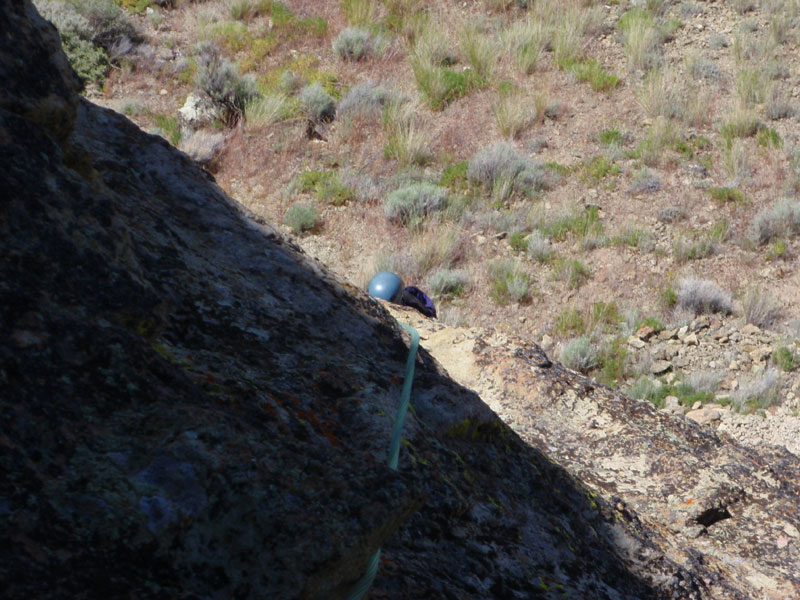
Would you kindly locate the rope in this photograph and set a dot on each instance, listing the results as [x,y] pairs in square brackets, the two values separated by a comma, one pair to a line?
[365,582]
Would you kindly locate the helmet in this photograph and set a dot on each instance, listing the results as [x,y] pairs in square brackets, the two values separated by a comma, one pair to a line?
[386,285]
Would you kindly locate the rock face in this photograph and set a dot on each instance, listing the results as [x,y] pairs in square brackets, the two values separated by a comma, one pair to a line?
[725,513]
[192,408]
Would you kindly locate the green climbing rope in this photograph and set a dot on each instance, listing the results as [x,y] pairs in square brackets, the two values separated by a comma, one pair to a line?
[394,452]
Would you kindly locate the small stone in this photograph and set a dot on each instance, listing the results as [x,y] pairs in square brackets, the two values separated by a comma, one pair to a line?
[671,402]
[163,92]
[635,342]
[645,332]
[659,367]
[697,405]
[547,343]
[750,329]
[690,339]
[683,331]
[704,415]
[733,366]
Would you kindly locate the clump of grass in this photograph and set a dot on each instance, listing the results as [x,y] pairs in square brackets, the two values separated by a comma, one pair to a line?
[785,359]
[610,137]
[570,322]
[508,282]
[318,104]
[758,393]
[409,141]
[479,50]
[437,248]
[703,296]
[782,219]
[740,122]
[359,12]
[440,86]
[301,217]
[266,110]
[512,115]
[539,247]
[727,194]
[356,43]
[659,94]
[573,272]
[582,223]
[656,392]
[448,282]
[641,39]
[685,250]
[761,308]
[598,168]
[661,136]
[580,354]
[768,138]
[612,361]
[411,203]
[592,72]
[169,127]
[525,40]
[636,238]
[325,185]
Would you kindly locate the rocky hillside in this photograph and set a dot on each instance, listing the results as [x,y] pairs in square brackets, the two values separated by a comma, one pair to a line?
[193,408]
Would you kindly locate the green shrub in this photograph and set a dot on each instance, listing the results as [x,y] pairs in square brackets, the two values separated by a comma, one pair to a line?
[326,186]
[169,125]
[455,176]
[94,33]
[655,391]
[573,272]
[508,282]
[785,359]
[411,203]
[580,354]
[518,242]
[301,217]
[570,322]
[219,80]
[439,85]
[592,72]
[598,168]
[768,138]
[605,317]
[611,361]
[580,223]
[610,137]
[727,194]
[359,12]
[448,282]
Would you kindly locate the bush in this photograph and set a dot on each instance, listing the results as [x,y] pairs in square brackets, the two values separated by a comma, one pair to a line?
[573,272]
[703,296]
[501,165]
[508,282]
[761,308]
[782,219]
[93,32]
[411,203]
[364,101]
[570,321]
[448,282]
[220,81]
[785,359]
[326,186]
[318,104]
[580,354]
[539,247]
[355,43]
[301,217]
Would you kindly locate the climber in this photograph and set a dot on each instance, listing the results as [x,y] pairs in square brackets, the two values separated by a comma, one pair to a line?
[388,286]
